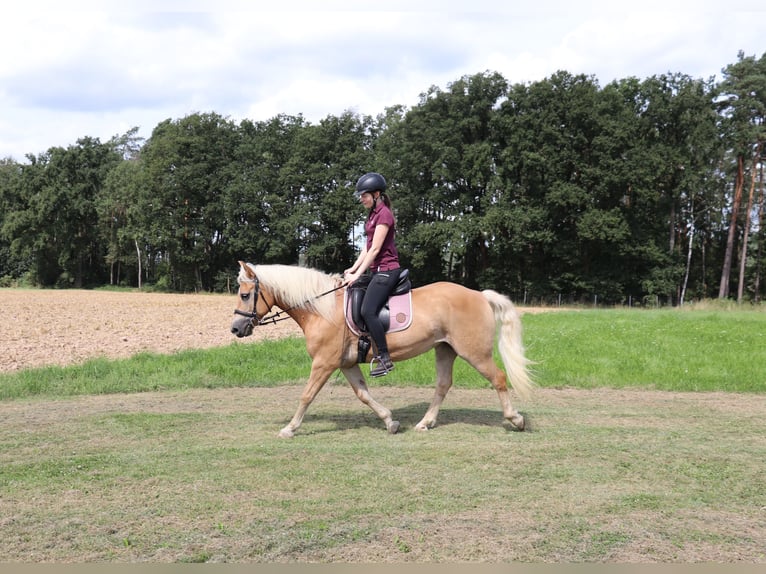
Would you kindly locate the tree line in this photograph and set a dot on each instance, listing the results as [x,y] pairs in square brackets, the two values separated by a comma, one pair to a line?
[559,189]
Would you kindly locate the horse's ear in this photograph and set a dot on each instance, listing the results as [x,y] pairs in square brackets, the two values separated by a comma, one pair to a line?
[246,268]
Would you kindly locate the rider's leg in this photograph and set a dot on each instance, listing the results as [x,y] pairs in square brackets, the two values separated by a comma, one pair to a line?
[378,290]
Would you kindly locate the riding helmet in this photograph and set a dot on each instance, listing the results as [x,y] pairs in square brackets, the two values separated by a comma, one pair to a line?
[370,182]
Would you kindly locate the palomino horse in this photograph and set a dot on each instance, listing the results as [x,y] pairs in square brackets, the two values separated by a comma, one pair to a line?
[452,319]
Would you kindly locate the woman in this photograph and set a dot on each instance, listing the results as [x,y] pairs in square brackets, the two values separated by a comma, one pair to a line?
[381,258]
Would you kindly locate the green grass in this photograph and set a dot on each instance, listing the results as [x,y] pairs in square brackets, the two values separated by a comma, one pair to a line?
[667,349]
[198,476]
[261,364]
[189,476]
[662,349]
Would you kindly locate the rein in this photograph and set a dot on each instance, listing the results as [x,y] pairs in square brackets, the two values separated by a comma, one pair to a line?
[273,319]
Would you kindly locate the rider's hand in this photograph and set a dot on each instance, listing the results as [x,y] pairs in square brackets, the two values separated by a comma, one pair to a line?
[350,278]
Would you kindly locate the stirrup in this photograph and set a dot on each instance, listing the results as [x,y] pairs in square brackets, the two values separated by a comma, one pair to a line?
[383,368]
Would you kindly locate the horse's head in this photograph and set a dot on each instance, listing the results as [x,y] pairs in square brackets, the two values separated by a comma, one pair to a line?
[252,305]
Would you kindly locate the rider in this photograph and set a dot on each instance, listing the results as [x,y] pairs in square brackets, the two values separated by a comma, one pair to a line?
[381,258]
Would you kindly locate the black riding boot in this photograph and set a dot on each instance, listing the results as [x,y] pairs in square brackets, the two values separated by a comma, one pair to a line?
[384,366]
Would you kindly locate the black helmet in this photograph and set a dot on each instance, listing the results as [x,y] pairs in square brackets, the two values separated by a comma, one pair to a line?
[370,182]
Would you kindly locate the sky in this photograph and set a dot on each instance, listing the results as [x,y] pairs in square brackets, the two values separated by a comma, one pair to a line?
[97,68]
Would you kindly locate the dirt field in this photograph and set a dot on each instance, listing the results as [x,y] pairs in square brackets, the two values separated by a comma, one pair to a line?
[50,327]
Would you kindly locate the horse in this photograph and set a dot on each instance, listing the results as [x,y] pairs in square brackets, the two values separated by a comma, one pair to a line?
[452,319]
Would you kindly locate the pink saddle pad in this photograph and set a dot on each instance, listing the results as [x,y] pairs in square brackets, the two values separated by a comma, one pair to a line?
[400,312]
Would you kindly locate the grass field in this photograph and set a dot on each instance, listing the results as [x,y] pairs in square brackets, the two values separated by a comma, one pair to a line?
[666,349]
[626,461]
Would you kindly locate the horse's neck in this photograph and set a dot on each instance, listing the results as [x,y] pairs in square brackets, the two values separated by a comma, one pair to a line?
[297,314]
[314,324]
[306,308]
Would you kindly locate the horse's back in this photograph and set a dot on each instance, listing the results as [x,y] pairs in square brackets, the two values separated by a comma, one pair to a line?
[447,289]
[455,301]
[446,312]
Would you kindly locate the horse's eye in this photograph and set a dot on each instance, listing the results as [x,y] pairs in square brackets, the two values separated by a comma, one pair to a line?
[245,296]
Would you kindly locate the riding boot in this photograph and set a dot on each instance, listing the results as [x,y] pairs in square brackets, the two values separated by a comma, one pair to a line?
[385,365]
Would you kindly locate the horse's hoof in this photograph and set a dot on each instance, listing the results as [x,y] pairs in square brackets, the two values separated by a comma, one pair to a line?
[393,428]
[422,427]
[517,420]
[286,433]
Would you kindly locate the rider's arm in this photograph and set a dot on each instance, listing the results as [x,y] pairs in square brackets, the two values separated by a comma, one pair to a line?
[358,262]
[366,257]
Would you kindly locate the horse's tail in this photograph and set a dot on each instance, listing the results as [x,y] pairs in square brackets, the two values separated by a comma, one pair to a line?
[509,342]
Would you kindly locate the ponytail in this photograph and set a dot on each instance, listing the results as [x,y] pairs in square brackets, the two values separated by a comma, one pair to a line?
[386,201]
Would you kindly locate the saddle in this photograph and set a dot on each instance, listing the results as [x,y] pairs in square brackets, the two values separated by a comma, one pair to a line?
[395,315]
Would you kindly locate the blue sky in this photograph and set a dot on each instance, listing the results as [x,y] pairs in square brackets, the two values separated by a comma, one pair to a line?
[98,68]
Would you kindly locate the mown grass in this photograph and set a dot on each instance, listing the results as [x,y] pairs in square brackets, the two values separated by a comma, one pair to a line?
[199,476]
[186,466]
[662,349]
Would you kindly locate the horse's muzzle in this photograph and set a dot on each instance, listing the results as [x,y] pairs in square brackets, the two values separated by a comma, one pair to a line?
[242,327]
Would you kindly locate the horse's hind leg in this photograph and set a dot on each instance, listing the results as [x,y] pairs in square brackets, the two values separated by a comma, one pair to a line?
[356,380]
[445,360]
[497,377]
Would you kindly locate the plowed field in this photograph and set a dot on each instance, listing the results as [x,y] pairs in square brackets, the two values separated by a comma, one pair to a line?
[60,327]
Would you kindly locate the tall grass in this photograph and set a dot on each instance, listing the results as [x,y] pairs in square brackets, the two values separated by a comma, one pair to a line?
[659,349]
[665,349]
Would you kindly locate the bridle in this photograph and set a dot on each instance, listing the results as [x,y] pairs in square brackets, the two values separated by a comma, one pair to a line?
[253,315]
[257,321]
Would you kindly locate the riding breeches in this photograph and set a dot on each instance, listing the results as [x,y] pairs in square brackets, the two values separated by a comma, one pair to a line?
[380,287]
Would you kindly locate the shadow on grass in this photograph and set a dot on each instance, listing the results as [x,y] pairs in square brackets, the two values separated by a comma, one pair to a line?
[409,416]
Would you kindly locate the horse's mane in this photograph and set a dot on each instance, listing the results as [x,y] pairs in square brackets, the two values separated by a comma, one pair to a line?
[298,287]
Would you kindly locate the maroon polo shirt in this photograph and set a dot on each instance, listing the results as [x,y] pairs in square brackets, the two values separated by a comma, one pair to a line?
[388,257]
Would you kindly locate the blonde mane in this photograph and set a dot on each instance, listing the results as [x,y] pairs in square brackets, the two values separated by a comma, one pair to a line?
[298,287]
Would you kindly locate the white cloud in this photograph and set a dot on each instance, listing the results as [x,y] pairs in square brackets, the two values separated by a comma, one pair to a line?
[95,69]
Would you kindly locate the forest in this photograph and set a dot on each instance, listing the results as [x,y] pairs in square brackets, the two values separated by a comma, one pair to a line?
[639,192]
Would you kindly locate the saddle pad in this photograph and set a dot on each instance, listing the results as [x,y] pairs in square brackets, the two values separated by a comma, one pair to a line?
[400,312]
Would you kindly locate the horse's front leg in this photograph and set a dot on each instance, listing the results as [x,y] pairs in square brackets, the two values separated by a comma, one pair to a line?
[356,380]
[317,379]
